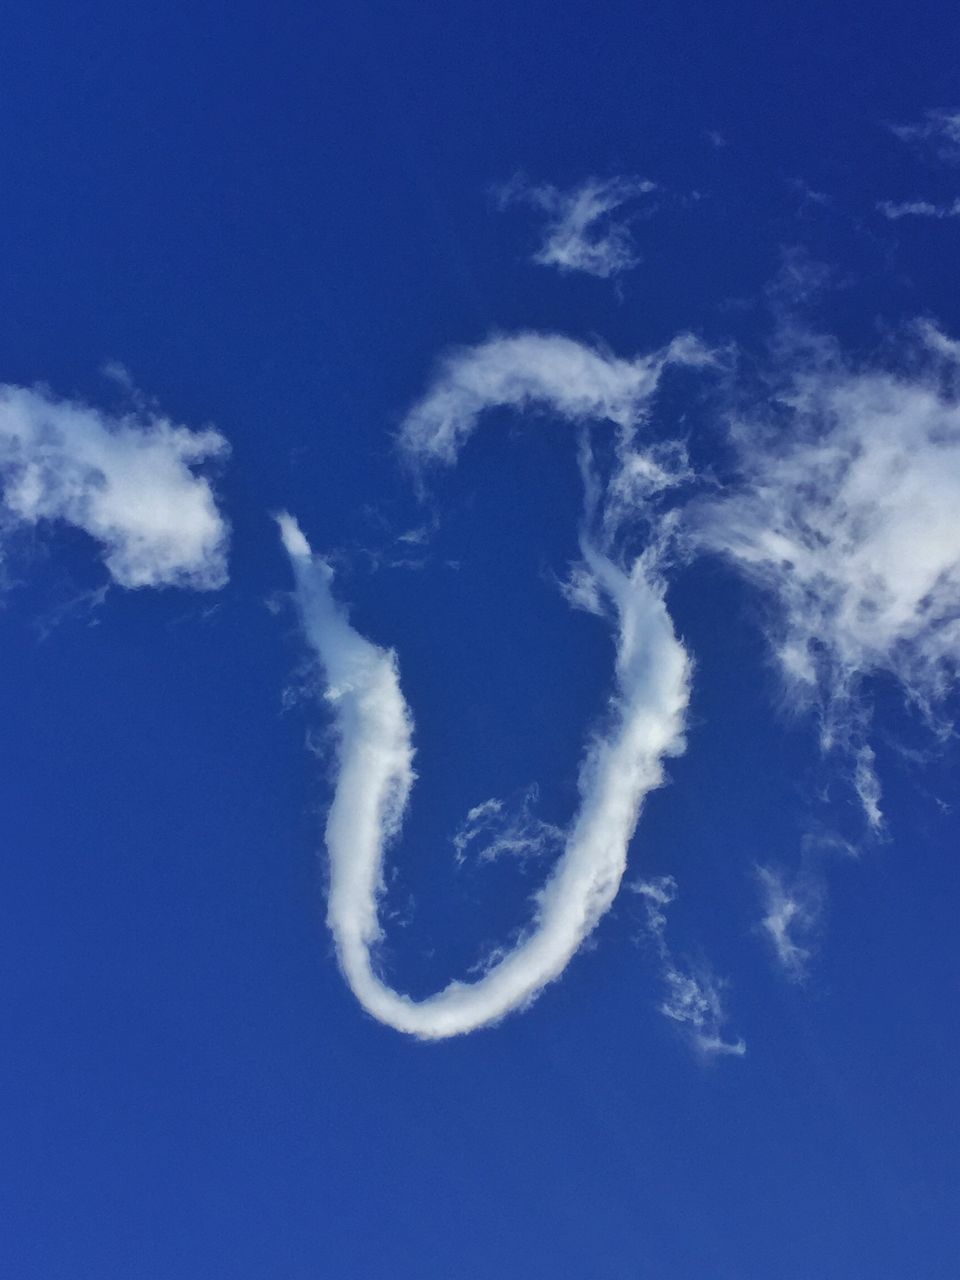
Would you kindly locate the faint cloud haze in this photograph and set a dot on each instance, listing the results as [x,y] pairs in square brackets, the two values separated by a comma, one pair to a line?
[939,130]
[918,209]
[580,234]
[692,999]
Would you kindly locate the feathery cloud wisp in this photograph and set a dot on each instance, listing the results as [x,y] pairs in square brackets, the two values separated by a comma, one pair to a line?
[788,909]
[580,236]
[692,1000]
[491,831]
[939,129]
[847,518]
[130,482]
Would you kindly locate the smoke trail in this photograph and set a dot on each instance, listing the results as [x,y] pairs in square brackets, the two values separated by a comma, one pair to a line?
[373,723]
[374,730]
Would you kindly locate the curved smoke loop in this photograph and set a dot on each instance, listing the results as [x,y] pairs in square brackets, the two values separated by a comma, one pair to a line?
[374,726]
[841,510]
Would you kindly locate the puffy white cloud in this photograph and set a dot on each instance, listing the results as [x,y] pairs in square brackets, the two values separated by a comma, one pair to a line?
[129,481]
[846,516]
[580,235]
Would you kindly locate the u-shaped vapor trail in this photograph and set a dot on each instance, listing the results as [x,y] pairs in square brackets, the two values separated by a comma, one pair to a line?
[374,730]
[374,727]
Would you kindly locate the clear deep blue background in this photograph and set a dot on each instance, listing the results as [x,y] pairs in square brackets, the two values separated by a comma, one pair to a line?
[277,219]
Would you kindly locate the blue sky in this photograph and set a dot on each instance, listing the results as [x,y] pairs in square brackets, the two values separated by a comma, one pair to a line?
[603,666]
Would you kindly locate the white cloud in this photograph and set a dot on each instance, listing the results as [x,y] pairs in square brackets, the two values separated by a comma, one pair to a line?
[788,909]
[374,727]
[130,482]
[846,516]
[577,382]
[580,235]
[867,784]
[693,1000]
[939,129]
[809,195]
[491,830]
[375,775]
[657,894]
[918,209]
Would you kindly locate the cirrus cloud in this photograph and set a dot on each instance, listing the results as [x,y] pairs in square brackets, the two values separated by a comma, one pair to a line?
[845,516]
[580,235]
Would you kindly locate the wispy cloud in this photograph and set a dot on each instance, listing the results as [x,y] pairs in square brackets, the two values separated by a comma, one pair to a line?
[492,830]
[77,605]
[846,517]
[695,1002]
[374,726]
[580,234]
[692,999]
[938,132]
[577,382]
[918,209]
[790,911]
[939,129]
[809,195]
[793,900]
[130,481]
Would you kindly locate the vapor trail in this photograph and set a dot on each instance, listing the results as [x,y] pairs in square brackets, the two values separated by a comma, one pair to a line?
[374,731]
[579,385]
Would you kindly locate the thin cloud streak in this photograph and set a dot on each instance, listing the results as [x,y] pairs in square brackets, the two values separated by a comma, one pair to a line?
[918,209]
[520,371]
